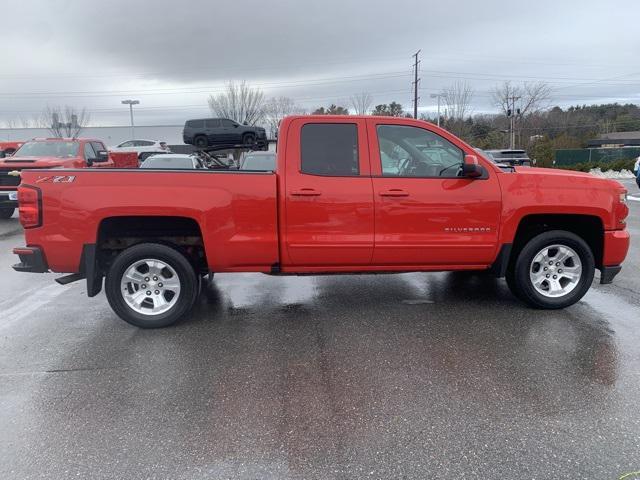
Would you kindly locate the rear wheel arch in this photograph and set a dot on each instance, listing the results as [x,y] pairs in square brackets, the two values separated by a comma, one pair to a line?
[118,233]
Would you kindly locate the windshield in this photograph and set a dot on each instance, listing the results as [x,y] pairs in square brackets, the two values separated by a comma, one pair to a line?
[48,149]
[163,161]
[259,162]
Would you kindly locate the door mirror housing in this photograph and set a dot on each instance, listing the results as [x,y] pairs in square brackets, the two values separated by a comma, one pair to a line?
[471,168]
[2,154]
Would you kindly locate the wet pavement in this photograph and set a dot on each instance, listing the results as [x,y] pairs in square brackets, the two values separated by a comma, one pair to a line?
[375,376]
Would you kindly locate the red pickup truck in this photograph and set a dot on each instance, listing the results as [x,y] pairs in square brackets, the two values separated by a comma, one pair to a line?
[54,153]
[349,194]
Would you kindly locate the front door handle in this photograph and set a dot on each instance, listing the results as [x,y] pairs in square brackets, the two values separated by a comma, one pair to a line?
[305,192]
[394,192]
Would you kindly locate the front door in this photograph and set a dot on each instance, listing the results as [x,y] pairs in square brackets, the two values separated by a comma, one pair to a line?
[329,197]
[426,214]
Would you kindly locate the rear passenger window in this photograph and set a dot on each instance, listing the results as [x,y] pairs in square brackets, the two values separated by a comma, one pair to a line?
[329,149]
[213,123]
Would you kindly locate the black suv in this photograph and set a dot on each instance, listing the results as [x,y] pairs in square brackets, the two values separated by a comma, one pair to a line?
[513,158]
[207,132]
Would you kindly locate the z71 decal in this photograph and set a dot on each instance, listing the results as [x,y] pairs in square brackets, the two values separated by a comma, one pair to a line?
[56,179]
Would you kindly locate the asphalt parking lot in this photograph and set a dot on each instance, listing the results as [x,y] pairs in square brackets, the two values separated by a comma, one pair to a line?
[389,376]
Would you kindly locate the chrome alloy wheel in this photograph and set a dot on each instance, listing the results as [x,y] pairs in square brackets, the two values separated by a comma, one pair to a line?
[555,271]
[150,286]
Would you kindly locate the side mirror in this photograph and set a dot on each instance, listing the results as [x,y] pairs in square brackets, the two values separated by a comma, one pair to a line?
[471,168]
[2,154]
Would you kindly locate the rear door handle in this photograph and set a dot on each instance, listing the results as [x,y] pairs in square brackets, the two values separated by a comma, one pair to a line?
[394,192]
[305,192]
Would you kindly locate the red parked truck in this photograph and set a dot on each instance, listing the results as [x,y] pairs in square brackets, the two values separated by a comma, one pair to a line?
[349,194]
[54,153]
[8,148]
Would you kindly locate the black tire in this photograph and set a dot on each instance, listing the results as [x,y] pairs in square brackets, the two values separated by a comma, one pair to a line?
[248,139]
[144,155]
[201,141]
[189,285]
[6,213]
[518,276]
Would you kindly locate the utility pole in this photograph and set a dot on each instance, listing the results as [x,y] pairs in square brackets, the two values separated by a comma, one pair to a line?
[511,113]
[131,103]
[415,84]
[438,96]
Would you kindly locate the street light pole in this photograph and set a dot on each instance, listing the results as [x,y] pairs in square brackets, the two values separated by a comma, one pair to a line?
[131,103]
[438,96]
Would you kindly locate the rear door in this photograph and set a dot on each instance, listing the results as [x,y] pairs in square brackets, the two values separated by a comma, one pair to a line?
[328,194]
[425,213]
[230,131]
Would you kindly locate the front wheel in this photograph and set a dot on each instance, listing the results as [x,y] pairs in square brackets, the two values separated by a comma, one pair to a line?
[6,212]
[151,285]
[553,270]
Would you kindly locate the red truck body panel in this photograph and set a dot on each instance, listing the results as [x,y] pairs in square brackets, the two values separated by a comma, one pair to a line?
[294,222]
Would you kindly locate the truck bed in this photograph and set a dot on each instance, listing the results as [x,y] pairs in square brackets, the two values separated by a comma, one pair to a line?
[236,211]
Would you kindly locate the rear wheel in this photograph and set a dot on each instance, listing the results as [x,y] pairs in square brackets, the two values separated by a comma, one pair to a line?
[553,270]
[249,139]
[151,285]
[6,212]
[201,141]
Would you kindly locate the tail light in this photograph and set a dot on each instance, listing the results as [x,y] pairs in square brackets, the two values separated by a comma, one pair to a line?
[621,209]
[30,206]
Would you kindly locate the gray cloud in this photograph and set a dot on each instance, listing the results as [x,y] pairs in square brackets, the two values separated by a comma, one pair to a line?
[171,54]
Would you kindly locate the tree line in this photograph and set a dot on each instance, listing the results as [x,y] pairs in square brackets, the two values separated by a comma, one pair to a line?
[524,109]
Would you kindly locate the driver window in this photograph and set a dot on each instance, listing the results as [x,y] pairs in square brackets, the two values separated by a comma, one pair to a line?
[415,152]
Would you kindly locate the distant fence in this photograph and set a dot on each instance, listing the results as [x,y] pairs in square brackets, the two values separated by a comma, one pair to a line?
[601,155]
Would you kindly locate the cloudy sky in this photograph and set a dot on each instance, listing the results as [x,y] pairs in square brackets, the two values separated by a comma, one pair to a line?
[171,55]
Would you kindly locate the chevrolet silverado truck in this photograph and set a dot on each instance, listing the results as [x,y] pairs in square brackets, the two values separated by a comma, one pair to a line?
[54,153]
[350,194]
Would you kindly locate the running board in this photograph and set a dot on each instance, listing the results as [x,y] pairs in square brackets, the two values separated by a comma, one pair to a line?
[67,279]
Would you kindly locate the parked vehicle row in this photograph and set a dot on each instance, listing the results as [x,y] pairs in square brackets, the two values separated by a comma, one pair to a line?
[144,148]
[347,195]
[51,153]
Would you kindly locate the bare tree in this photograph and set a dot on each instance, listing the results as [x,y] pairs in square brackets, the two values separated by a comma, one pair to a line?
[241,103]
[276,108]
[531,97]
[22,122]
[523,103]
[361,103]
[457,100]
[64,122]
